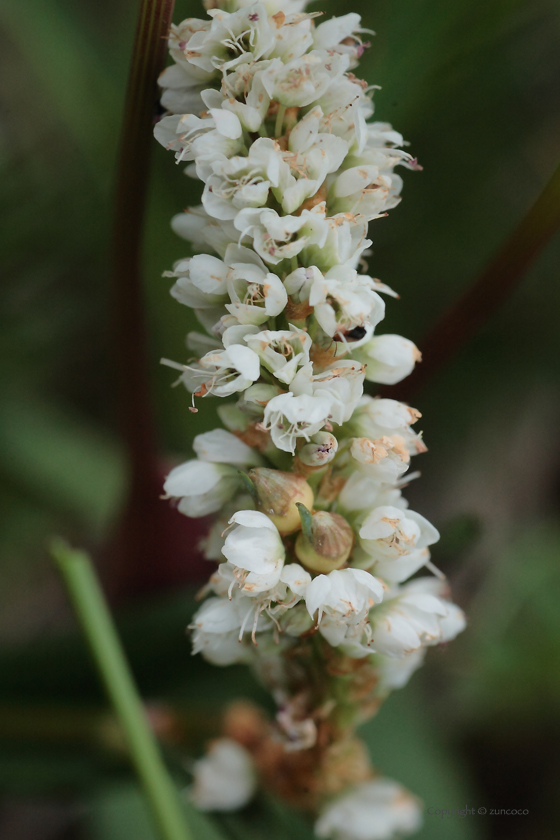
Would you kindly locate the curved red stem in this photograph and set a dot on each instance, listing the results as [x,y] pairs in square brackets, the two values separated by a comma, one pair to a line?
[464,317]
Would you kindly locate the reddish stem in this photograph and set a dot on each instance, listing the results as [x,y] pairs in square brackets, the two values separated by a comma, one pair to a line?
[134,398]
[462,320]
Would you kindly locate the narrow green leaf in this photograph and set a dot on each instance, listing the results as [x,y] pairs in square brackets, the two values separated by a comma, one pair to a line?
[95,619]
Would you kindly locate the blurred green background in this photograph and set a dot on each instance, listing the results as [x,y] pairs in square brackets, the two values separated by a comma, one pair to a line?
[474,87]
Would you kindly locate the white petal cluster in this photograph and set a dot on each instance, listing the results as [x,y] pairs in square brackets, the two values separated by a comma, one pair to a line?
[388,358]
[342,600]
[204,485]
[413,616]
[377,810]
[225,779]
[264,110]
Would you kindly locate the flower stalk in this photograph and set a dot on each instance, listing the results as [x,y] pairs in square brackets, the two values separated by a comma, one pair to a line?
[135,407]
[130,204]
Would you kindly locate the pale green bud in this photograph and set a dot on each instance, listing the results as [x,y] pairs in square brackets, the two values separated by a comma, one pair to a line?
[320,450]
[325,542]
[278,493]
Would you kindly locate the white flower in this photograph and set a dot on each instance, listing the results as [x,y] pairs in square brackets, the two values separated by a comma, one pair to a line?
[343,599]
[272,6]
[395,673]
[256,551]
[346,107]
[363,191]
[219,615]
[322,241]
[211,545]
[333,31]
[344,299]
[275,237]
[256,295]
[221,372]
[412,616]
[381,149]
[205,282]
[338,33]
[376,810]
[202,487]
[399,569]
[223,447]
[304,80]
[281,352]
[190,136]
[368,185]
[215,632]
[179,37]
[341,240]
[362,493]
[289,417]
[453,623]
[298,284]
[239,182]
[234,333]
[220,625]
[241,37]
[183,81]
[246,91]
[297,579]
[389,533]
[175,133]
[181,91]
[310,157]
[202,231]
[256,604]
[293,35]
[341,383]
[375,418]
[388,358]
[225,779]
[201,282]
[221,649]
[384,459]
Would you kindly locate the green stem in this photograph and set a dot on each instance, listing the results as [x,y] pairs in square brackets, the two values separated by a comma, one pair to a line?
[94,617]
[279,120]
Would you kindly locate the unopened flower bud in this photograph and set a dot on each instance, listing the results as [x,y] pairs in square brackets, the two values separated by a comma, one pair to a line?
[296,621]
[325,542]
[319,451]
[233,418]
[277,495]
[255,398]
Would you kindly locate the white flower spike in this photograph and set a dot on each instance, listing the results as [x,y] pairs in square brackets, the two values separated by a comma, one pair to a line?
[264,109]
